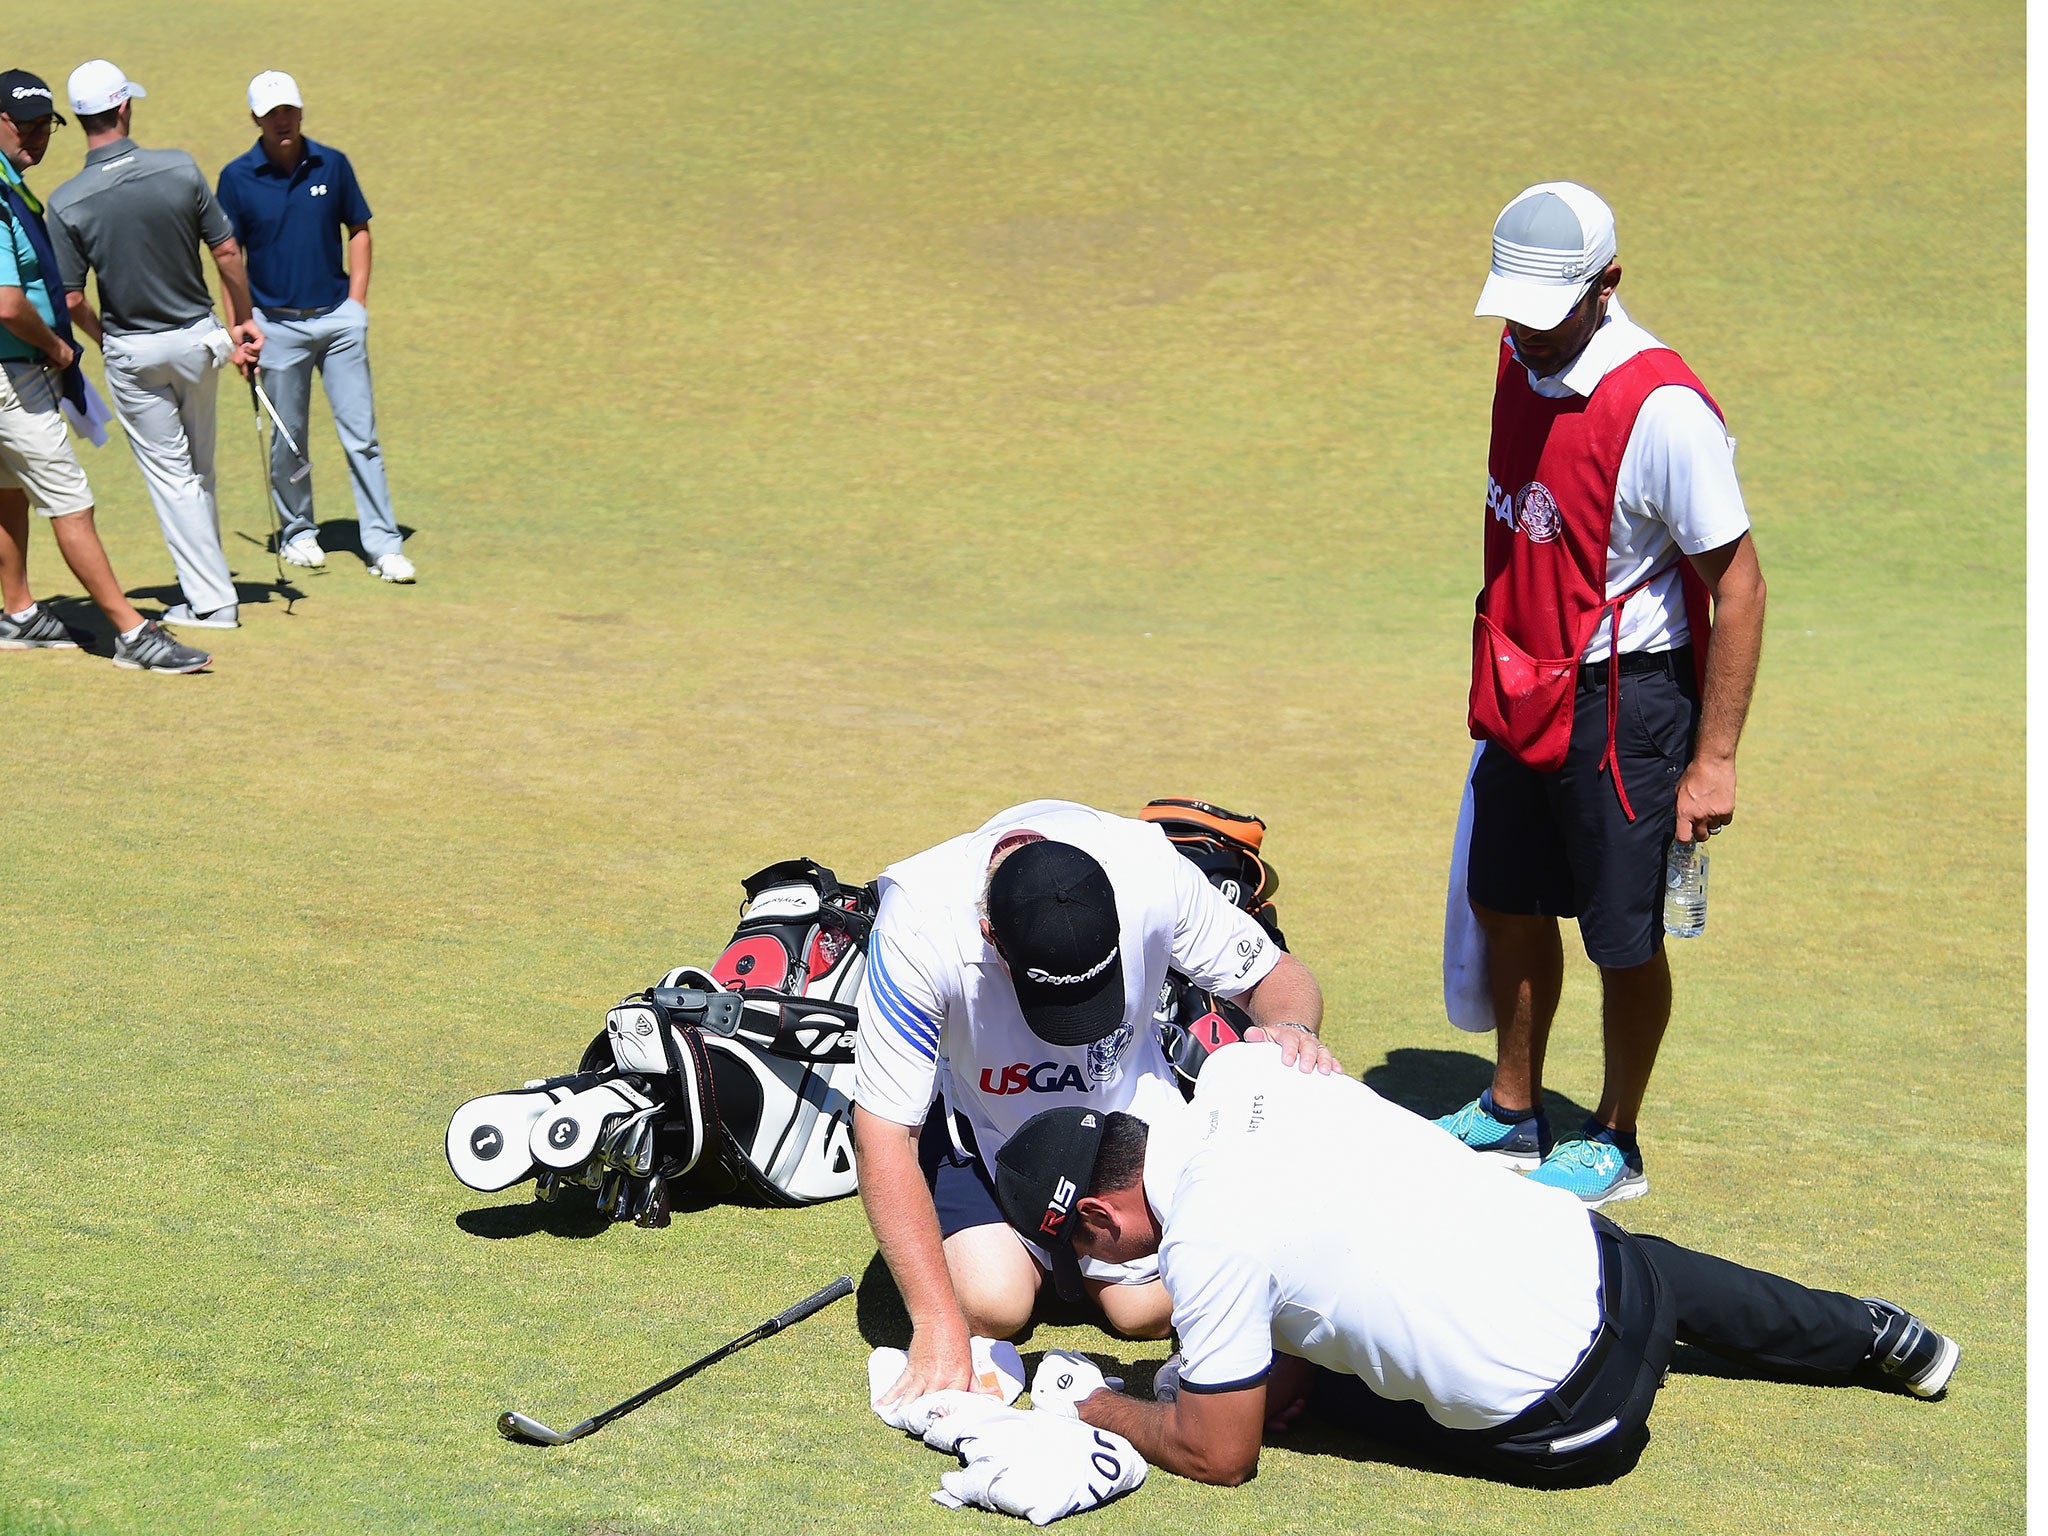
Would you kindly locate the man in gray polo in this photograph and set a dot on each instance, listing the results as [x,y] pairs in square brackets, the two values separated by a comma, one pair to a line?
[136,219]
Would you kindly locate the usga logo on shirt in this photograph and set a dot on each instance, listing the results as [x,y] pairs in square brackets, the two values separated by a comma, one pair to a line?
[1021,1077]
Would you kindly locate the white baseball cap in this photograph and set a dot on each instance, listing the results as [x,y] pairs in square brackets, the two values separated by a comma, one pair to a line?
[1549,245]
[273,88]
[97,86]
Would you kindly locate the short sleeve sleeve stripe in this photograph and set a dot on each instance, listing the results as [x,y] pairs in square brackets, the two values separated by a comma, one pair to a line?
[914,1026]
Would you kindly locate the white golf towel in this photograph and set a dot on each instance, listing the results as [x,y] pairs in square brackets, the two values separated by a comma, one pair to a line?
[1467,999]
[1034,1465]
[997,1368]
[90,423]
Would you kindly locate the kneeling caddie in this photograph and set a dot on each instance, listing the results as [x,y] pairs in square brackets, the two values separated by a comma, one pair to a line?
[1390,1283]
[1011,968]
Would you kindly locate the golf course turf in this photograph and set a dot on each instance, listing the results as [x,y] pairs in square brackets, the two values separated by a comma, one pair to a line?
[821,426]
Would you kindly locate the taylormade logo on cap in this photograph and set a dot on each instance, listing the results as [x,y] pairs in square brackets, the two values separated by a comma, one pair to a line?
[1549,244]
[99,86]
[1073,981]
[31,90]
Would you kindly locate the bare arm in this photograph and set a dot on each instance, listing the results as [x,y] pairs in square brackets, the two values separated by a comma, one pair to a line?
[1706,791]
[83,316]
[1288,994]
[234,288]
[359,263]
[22,318]
[906,1226]
[1212,1437]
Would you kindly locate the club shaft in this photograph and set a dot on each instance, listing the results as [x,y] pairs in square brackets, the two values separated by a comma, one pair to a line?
[817,1300]
[276,420]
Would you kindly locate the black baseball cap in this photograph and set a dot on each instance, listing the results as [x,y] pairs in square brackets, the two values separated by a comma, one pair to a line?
[1053,914]
[27,98]
[1041,1175]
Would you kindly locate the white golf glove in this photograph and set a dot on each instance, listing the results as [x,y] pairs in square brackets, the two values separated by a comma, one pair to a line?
[1062,1381]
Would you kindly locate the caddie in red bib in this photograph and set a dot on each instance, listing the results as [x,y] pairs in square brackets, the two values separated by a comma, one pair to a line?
[1615,537]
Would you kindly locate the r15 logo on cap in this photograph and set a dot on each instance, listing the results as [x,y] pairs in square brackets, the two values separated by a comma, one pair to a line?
[1056,1208]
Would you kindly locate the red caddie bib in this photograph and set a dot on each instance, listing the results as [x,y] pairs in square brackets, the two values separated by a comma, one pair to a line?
[1552,468]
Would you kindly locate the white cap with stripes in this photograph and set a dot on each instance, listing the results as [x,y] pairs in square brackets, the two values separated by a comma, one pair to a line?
[1549,245]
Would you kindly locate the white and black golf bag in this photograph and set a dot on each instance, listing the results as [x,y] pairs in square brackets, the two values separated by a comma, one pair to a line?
[731,1083]
[1225,847]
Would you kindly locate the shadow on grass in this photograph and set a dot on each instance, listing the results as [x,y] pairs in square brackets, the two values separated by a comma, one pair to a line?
[573,1213]
[1435,1082]
[555,1219]
[248,594]
[878,1308]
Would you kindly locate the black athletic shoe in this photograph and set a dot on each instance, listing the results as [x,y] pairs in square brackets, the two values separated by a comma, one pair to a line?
[1907,1348]
[41,630]
[153,650]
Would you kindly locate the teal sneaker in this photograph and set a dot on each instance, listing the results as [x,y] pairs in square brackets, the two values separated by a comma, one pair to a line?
[1592,1167]
[1520,1144]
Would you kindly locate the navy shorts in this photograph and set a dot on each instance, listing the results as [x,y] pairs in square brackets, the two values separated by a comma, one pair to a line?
[963,1190]
[1558,845]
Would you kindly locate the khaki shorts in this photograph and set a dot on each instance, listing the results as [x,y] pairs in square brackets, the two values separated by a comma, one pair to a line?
[36,455]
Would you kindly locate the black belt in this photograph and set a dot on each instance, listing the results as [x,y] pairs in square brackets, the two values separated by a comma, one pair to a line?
[1678,663]
[300,314]
[1562,1401]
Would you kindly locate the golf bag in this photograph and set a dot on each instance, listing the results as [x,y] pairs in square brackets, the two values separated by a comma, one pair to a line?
[1225,847]
[731,1083]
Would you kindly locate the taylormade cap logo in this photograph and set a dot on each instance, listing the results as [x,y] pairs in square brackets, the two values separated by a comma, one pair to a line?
[31,90]
[1090,974]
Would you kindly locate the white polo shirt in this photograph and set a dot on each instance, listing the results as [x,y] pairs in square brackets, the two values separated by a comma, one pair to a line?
[938,1012]
[1676,489]
[1308,1215]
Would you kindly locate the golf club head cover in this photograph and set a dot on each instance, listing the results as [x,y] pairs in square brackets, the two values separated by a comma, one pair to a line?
[489,1145]
[634,1029]
[1063,1380]
[565,1136]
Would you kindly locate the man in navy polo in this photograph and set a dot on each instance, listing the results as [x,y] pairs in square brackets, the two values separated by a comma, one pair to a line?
[293,203]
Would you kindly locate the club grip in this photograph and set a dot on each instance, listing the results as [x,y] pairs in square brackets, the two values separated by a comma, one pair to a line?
[843,1286]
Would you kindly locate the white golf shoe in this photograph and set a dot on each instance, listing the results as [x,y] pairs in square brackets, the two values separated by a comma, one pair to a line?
[392,567]
[305,550]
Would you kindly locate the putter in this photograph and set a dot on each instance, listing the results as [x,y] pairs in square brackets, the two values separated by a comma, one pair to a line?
[269,500]
[518,1426]
[305,464]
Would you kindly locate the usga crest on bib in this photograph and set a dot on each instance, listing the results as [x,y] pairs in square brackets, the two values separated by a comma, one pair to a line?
[1536,512]
[1105,1057]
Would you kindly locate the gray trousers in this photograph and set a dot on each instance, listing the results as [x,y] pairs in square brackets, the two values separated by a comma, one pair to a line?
[337,344]
[164,387]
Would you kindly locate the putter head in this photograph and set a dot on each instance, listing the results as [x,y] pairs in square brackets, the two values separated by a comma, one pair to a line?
[300,473]
[517,1426]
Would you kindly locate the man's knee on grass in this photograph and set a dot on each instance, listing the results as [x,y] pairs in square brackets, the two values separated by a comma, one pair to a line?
[994,1279]
[1136,1311]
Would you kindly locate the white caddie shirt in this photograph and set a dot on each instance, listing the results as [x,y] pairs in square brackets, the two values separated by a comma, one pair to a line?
[938,1012]
[1306,1214]
[1676,489]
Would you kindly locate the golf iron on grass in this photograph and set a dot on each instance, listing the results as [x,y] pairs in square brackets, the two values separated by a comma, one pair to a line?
[517,1426]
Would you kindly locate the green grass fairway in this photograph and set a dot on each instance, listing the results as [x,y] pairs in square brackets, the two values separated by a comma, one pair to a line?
[825,425]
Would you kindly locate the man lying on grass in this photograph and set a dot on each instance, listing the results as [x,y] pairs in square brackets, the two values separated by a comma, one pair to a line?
[1318,1240]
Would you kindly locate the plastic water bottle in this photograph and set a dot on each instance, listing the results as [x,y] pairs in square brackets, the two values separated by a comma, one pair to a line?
[1685,890]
